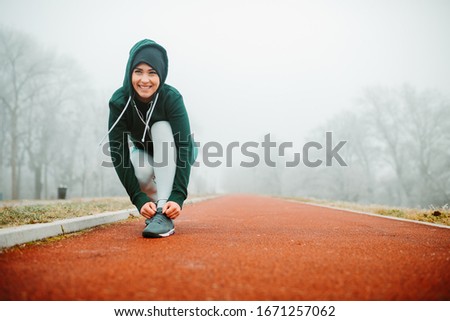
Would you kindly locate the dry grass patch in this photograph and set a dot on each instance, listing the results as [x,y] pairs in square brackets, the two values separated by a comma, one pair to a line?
[436,215]
[15,215]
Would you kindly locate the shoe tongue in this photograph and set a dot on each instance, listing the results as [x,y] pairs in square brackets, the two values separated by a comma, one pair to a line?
[159,217]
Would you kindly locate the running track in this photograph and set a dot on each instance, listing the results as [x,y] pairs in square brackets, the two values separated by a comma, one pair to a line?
[239,248]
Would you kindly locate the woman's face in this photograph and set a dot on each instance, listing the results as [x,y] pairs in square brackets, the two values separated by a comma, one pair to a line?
[145,81]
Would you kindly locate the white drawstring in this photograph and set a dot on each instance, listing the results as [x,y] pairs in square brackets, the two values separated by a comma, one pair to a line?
[118,118]
[148,116]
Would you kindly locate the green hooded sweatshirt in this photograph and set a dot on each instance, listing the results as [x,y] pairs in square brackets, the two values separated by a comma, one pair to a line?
[124,124]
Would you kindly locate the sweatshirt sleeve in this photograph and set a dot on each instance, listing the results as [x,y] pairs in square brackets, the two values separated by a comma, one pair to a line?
[120,156]
[179,121]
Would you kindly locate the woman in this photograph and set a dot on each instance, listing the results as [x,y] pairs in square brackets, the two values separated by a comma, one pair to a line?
[151,115]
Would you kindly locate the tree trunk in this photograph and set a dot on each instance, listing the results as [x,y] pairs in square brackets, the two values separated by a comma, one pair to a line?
[45,182]
[14,158]
[38,182]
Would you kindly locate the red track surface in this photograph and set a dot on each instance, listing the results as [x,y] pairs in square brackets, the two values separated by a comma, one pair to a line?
[239,248]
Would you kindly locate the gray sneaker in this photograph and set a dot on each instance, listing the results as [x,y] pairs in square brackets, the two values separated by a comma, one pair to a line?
[158,226]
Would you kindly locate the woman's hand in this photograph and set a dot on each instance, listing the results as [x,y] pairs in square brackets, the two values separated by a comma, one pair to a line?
[148,210]
[172,210]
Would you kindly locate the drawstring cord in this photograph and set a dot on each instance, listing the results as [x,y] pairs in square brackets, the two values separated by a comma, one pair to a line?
[118,118]
[148,116]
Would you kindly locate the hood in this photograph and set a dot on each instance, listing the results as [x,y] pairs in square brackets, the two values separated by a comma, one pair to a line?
[127,88]
[162,73]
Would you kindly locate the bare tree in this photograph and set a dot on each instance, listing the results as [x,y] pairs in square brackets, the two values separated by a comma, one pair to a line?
[356,181]
[397,150]
[23,71]
[387,124]
[427,119]
[3,146]
[45,101]
[41,127]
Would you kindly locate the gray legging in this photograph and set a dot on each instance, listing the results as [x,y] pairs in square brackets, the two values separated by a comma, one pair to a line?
[156,175]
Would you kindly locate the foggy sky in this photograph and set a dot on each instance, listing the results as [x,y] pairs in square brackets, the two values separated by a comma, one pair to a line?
[248,68]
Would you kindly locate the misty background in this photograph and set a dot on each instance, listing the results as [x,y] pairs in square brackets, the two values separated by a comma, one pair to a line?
[374,73]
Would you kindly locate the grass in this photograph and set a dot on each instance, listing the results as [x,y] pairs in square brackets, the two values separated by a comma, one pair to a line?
[436,215]
[14,215]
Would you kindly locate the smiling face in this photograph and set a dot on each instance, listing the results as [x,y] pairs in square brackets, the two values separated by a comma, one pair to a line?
[145,81]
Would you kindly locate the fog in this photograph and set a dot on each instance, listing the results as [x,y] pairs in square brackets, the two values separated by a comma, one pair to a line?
[291,69]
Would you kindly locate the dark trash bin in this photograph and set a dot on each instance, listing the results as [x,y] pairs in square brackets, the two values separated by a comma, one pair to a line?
[62,191]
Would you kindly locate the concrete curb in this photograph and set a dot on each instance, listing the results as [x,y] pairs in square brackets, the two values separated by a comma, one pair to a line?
[373,214]
[32,232]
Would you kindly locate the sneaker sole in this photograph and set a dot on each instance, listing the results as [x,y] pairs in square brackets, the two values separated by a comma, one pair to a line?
[154,235]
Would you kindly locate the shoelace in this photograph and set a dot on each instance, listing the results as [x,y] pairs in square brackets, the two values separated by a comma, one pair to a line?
[157,218]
